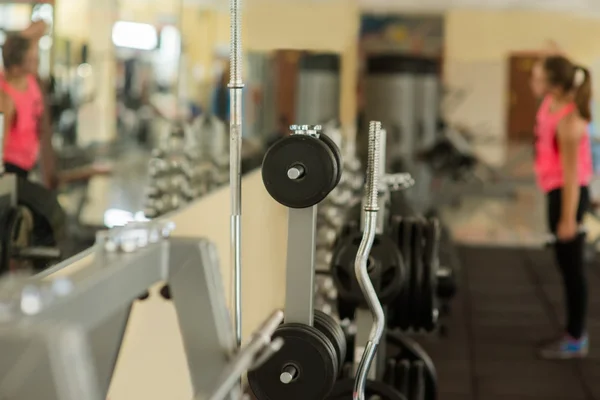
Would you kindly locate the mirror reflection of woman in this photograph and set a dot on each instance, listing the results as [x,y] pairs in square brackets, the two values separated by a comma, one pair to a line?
[27,129]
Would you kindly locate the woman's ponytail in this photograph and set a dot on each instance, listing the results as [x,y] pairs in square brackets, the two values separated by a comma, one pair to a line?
[582,84]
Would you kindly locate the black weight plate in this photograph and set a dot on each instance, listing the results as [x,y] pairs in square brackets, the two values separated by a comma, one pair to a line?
[404,243]
[344,389]
[430,268]
[345,309]
[319,166]
[334,332]
[308,350]
[404,236]
[386,269]
[402,378]
[417,380]
[389,375]
[338,156]
[407,349]
[416,245]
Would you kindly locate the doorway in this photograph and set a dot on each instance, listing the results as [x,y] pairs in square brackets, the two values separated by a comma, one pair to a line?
[522,104]
[287,67]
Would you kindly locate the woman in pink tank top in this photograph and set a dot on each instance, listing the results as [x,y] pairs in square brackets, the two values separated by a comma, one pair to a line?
[27,130]
[563,166]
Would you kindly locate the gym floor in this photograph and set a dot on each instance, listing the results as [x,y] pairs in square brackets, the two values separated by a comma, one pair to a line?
[509,299]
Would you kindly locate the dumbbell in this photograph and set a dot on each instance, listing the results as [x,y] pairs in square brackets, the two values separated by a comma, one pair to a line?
[353,165]
[300,170]
[342,197]
[307,365]
[326,237]
[333,216]
[157,166]
[323,258]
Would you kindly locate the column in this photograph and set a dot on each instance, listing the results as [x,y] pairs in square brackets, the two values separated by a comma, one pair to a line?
[349,82]
[98,120]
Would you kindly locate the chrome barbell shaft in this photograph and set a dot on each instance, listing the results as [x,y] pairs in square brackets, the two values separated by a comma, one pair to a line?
[235,153]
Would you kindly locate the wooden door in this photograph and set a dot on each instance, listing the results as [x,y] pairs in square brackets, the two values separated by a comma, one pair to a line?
[285,84]
[522,104]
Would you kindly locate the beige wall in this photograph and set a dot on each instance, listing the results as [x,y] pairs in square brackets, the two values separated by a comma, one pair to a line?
[477,46]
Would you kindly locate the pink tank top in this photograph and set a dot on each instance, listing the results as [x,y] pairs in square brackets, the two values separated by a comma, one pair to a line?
[548,165]
[23,141]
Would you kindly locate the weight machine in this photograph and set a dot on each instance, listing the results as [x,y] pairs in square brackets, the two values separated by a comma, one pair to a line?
[64,333]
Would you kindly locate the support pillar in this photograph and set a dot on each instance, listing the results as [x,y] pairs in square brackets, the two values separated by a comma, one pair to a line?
[349,84]
[98,119]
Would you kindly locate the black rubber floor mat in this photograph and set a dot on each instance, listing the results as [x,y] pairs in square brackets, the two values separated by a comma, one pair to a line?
[510,299]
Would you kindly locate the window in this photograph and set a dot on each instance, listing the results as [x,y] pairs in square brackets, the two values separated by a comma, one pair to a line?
[133,35]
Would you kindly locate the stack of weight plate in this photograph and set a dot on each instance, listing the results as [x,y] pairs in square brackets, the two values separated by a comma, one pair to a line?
[330,219]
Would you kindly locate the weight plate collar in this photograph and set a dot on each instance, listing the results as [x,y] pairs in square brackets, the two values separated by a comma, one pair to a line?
[310,130]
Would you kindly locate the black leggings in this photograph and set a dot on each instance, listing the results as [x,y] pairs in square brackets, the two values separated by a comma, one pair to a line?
[13,169]
[570,260]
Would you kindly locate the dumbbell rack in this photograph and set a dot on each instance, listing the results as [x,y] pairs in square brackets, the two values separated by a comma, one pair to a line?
[180,172]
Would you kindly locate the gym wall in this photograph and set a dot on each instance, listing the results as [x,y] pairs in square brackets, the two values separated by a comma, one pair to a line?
[477,47]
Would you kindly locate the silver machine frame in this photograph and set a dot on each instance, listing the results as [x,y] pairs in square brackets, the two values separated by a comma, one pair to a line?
[65,333]
[300,260]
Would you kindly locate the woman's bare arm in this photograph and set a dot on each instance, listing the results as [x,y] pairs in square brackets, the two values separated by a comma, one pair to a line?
[7,108]
[570,131]
[35,31]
